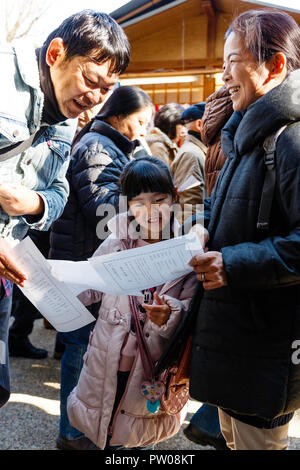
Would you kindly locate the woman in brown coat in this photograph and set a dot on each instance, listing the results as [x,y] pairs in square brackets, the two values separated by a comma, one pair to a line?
[218,110]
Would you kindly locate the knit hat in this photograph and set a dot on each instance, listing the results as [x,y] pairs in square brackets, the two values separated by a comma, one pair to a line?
[192,113]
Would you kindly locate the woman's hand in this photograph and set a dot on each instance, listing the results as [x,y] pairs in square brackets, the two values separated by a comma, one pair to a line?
[202,233]
[17,200]
[210,269]
[8,268]
[158,313]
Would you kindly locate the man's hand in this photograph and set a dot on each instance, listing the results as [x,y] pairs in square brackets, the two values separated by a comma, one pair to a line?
[210,269]
[17,200]
[8,269]
[159,312]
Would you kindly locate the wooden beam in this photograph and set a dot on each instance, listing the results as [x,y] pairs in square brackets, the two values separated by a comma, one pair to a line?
[172,65]
[137,10]
[197,71]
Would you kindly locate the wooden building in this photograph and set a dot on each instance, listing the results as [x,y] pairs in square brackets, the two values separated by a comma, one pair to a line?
[177,45]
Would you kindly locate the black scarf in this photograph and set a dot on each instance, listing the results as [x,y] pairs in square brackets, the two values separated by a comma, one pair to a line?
[195,134]
[51,113]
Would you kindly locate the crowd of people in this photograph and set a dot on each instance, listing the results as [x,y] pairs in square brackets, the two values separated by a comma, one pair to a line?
[240,152]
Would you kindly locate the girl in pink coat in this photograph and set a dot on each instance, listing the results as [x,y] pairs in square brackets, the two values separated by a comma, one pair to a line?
[107,404]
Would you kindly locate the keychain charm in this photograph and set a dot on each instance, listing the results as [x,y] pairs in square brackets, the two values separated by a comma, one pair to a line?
[153,407]
[152,391]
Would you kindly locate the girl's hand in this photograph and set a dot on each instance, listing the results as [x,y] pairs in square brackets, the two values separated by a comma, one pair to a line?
[210,269]
[158,313]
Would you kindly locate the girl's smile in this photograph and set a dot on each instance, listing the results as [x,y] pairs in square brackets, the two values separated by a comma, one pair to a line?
[152,211]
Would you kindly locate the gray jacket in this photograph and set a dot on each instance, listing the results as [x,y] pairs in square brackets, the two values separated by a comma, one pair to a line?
[190,161]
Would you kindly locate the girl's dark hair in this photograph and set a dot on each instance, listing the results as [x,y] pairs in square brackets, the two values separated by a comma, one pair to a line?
[94,34]
[167,117]
[124,101]
[146,174]
[267,32]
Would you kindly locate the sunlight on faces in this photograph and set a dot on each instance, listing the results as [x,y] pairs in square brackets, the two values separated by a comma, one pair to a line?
[106,212]
[79,83]
[152,211]
[134,125]
[244,78]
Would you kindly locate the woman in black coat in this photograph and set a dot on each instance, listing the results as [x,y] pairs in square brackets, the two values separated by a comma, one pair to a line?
[248,324]
[99,153]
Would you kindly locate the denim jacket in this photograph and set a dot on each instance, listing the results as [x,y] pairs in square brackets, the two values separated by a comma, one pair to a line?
[43,166]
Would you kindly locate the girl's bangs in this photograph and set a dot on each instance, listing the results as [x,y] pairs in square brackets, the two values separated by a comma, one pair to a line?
[150,179]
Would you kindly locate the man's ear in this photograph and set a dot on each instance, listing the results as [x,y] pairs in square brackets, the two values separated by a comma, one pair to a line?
[198,125]
[277,65]
[55,52]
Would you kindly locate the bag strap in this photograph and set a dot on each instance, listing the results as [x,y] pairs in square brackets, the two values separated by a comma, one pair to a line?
[146,358]
[185,327]
[263,221]
[147,361]
[16,149]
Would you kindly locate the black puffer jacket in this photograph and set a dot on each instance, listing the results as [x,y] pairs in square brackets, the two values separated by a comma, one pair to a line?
[96,163]
[243,351]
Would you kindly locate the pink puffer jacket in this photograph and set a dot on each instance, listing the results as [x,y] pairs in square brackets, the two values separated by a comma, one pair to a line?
[91,402]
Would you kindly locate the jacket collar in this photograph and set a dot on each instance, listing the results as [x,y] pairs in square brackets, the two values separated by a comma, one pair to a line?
[195,138]
[228,133]
[51,112]
[63,131]
[125,145]
[28,64]
[278,107]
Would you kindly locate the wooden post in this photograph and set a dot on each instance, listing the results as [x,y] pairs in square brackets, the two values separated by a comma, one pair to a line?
[209,9]
[209,86]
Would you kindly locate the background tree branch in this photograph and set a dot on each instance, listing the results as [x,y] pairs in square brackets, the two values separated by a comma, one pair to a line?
[19,17]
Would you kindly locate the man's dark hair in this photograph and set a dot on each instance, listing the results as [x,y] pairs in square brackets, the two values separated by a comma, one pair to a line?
[94,34]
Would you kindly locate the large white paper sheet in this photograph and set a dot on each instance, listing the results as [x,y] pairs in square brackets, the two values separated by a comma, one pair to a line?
[50,296]
[131,271]
[128,272]
[79,275]
[52,285]
[190,183]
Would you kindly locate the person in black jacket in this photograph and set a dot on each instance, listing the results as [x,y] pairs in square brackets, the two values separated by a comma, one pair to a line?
[99,154]
[248,323]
